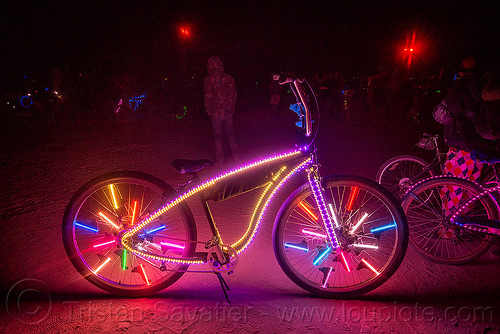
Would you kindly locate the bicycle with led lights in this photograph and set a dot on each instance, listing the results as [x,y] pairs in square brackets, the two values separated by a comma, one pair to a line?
[401,172]
[132,234]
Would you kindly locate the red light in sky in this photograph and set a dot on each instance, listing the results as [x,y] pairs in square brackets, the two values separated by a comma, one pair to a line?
[185,32]
[409,49]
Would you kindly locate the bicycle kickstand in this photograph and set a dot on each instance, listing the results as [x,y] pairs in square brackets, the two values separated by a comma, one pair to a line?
[224,286]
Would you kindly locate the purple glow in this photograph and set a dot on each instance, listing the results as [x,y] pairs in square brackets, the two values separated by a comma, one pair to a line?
[313,233]
[318,195]
[290,245]
[164,243]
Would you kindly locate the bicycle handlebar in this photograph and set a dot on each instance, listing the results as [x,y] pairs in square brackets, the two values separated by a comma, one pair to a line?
[301,98]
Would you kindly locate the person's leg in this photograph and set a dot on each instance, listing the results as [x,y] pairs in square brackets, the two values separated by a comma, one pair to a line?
[217,128]
[228,129]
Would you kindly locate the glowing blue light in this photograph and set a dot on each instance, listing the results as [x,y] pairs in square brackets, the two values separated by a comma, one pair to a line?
[156,229]
[136,101]
[26,101]
[86,227]
[289,245]
[322,256]
[383,228]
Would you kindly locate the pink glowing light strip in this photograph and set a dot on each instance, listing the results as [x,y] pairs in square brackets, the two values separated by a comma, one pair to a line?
[344,260]
[190,193]
[365,246]
[108,220]
[318,196]
[316,234]
[107,243]
[102,265]
[164,243]
[144,275]
[205,185]
[327,277]
[370,267]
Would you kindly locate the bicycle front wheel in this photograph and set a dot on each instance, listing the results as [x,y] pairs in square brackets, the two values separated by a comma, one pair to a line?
[429,207]
[399,173]
[371,228]
[108,205]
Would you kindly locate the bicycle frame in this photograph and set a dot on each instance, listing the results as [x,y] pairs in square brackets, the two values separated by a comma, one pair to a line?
[285,166]
[439,156]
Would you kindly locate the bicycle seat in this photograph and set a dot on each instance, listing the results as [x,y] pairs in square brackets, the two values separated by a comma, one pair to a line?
[185,166]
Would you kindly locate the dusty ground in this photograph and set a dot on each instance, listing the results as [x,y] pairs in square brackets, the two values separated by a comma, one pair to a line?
[42,293]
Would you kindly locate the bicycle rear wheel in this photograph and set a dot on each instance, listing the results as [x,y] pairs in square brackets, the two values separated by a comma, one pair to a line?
[108,205]
[429,207]
[372,230]
[399,173]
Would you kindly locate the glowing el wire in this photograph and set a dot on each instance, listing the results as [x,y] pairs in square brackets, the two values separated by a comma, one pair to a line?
[103,216]
[322,256]
[107,243]
[169,244]
[352,197]
[102,265]
[355,227]
[306,209]
[316,234]
[112,190]
[289,245]
[133,213]
[370,267]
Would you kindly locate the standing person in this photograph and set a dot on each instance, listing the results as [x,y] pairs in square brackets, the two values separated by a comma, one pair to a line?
[463,103]
[220,103]
[459,112]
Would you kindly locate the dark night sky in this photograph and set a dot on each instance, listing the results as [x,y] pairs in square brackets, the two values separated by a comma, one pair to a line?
[140,37]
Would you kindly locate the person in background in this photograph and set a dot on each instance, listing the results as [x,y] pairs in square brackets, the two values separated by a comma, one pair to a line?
[463,102]
[459,112]
[220,103]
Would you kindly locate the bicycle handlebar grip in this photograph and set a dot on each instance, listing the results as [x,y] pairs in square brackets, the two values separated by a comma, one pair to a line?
[284,78]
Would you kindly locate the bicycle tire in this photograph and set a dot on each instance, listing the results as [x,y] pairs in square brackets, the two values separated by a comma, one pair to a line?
[399,173]
[432,233]
[90,239]
[350,277]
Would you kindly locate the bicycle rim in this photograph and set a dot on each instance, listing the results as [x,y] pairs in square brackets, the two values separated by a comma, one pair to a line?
[370,254]
[428,208]
[400,173]
[105,207]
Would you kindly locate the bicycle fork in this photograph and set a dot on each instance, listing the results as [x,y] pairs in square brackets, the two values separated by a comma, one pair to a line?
[314,181]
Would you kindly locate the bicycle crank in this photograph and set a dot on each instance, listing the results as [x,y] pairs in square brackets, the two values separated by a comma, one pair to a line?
[225,265]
